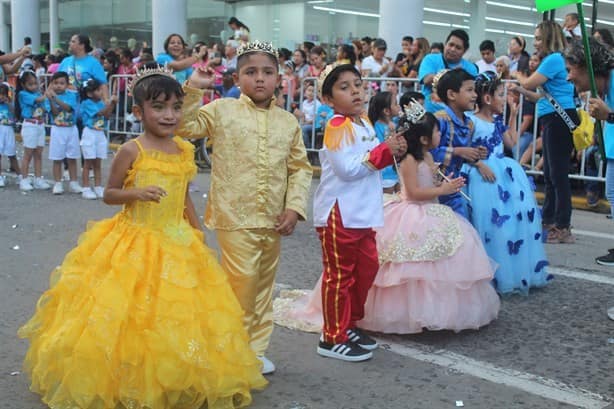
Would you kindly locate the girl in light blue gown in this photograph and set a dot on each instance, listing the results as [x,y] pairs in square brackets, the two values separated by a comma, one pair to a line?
[503,208]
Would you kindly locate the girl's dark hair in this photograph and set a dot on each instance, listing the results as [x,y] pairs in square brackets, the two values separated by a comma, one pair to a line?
[152,87]
[413,132]
[453,79]
[331,79]
[378,103]
[126,53]
[408,96]
[113,59]
[4,89]
[168,40]
[40,58]
[235,21]
[59,74]
[486,83]
[88,86]
[23,77]
[348,50]
[606,36]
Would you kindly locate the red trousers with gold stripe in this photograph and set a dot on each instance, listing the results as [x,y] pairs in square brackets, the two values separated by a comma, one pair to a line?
[350,265]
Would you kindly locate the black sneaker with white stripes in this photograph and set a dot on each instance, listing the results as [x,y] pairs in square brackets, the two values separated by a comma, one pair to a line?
[357,336]
[347,351]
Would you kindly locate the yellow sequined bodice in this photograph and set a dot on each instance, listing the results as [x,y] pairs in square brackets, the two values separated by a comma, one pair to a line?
[171,172]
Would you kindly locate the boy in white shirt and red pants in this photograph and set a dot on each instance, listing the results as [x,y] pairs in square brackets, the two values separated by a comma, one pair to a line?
[348,203]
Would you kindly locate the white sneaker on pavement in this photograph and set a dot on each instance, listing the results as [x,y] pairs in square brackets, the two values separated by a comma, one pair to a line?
[267,366]
[58,188]
[25,185]
[2,181]
[99,190]
[74,187]
[41,184]
[88,194]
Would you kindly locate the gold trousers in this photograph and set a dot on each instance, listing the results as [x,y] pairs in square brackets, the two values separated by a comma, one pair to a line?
[250,258]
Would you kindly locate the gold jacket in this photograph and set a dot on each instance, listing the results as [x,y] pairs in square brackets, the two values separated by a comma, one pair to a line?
[260,165]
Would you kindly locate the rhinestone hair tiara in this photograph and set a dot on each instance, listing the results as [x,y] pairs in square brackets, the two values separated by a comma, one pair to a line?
[148,72]
[257,46]
[414,111]
[436,79]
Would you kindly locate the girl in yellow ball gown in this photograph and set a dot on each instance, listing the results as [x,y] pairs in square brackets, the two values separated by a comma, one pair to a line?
[140,314]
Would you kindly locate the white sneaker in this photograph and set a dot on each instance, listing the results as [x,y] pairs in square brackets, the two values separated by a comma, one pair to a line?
[88,193]
[41,184]
[74,187]
[2,181]
[58,188]
[267,366]
[99,190]
[25,185]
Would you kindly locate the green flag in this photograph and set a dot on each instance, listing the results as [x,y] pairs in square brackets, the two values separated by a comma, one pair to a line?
[545,5]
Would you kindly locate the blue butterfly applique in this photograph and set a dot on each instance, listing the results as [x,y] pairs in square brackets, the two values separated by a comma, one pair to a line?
[549,277]
[504,195]
[540,265]
[509,172]
[519,216]
[531,215]
[513,247]
[498,219]
[486,238]
[537,236]
[522,196]
[524,282]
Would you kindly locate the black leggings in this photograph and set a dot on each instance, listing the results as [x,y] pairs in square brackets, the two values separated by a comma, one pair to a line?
[557,148]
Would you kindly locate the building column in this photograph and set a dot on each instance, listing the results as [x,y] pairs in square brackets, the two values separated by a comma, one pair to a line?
[399,18]
[25,22]
[5,33]
[168,17]
[477,32]
[54,26]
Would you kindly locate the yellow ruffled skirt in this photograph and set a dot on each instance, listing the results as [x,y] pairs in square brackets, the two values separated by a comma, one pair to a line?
[139,318]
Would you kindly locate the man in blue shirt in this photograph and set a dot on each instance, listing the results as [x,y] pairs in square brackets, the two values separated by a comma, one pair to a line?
[455,47]
[228,89]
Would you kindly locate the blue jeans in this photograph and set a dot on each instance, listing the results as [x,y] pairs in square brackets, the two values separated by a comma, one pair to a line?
[609,184]
[307,131]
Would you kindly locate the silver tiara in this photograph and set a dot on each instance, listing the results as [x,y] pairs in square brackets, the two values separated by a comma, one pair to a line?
[257,46]
[148,72]
[414,111]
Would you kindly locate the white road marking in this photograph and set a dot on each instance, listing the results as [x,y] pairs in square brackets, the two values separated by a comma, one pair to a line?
[533,384]
[595,278]
[595,234]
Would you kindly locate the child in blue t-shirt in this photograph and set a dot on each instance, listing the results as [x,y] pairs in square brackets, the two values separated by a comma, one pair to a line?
[94,145]
[31,107]
[7,133]
[383,108]
[64,141]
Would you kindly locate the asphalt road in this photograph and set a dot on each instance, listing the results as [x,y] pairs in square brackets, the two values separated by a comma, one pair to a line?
[553,349]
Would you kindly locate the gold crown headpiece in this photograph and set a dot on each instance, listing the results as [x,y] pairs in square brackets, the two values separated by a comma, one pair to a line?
[148,72]
[257,46]
[436,79]
[325,73]
[413,112]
